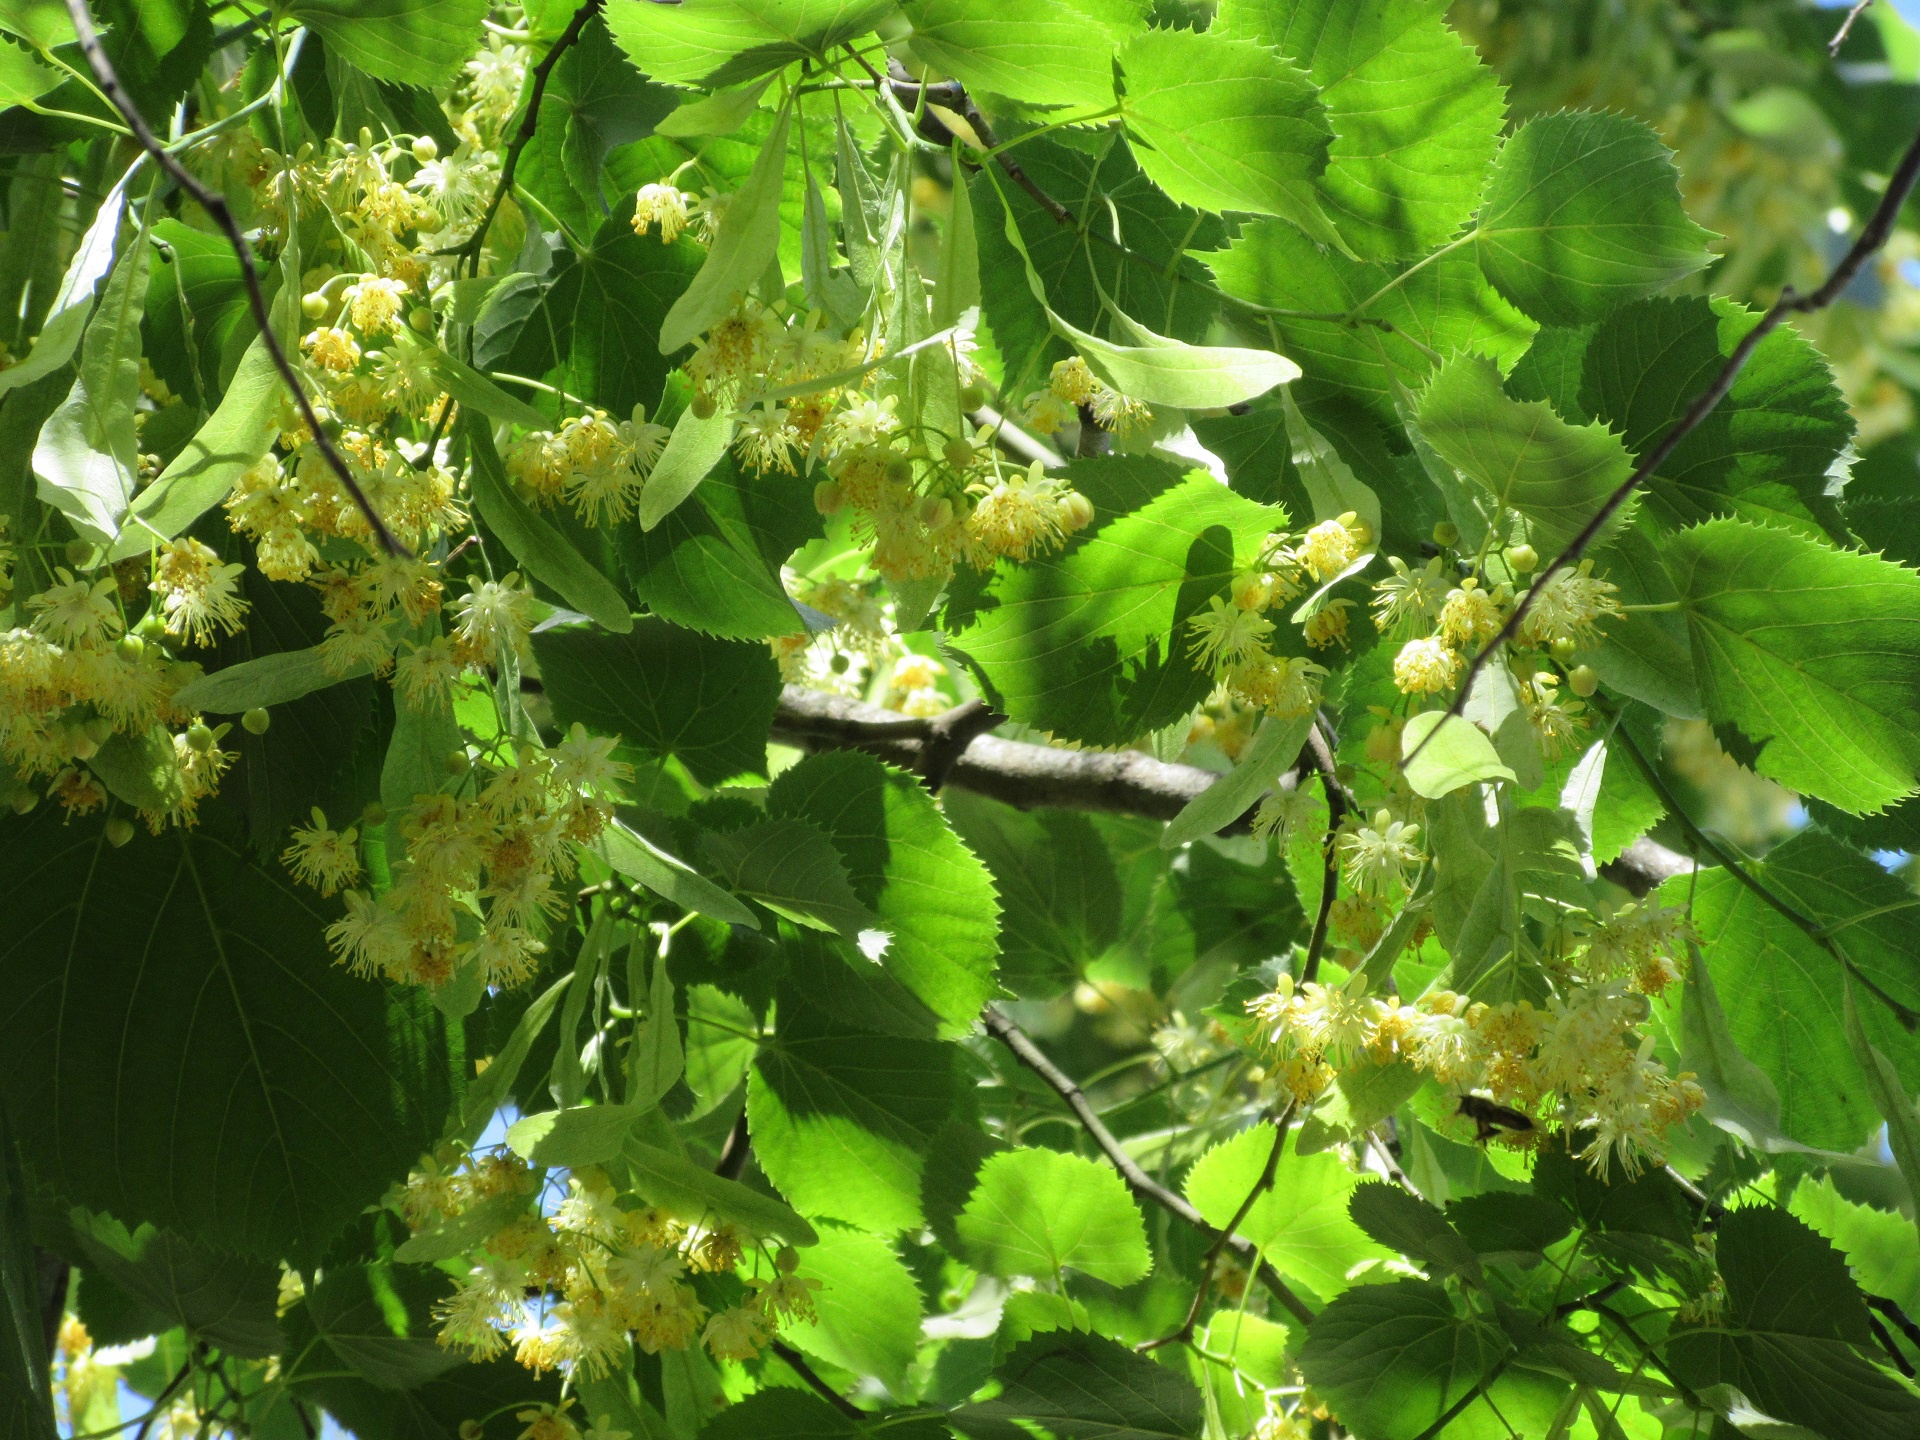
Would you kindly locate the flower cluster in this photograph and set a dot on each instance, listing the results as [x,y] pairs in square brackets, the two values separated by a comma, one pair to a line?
[571,1290]
[476,873]
[1580,1064]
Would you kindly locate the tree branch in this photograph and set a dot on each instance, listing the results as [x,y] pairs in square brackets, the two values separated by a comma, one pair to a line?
[1872,237]
[1141,1183]
[215,204]
[1118,782]
[523,136]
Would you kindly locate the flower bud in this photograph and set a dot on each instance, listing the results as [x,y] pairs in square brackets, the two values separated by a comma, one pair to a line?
[256,721]
[119,831]
[1522,559]
[1583,680]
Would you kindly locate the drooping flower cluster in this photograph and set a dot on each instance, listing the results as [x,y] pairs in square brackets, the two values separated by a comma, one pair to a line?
[569,1291]
[476,870]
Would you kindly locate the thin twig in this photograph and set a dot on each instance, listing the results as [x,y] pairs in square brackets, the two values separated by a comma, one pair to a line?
[523,136]
[1260,1187]
[1833,48]
[1808,926]
[1323,759]
[1141,1183]
[1872,237]
[797,1363]
[215,204]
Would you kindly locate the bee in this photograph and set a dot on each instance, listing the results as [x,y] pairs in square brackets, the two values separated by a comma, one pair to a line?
[1488,1118]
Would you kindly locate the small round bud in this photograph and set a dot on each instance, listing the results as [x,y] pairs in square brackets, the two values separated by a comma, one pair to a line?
[374,815]
[313,304]
[459,762]
[1583,680]
[704,406]
[421,320]
[827,497]
[78,552]
[1522,559]
[958,454]
[900,470]
[1564,647]
[130,648]
[200,737]
[1446,533]
[99,729]
[1076,511]
[256,721]
[972,397]
[24,800]
[425,148]
[119,831]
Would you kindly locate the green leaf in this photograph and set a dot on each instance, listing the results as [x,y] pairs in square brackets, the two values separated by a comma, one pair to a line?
[359,1314]
[1274,749]
[1153,225]
[638,858]
[842,1120]
[909,868]
[1813,652]
[713,43]
[411,42]
[713,564]
[1555,474]
[793,869]
[202,974]
[1415,115]
[748,242]
[1227,125]
[1301,1222]
[1082,1387]
[543,550]
[1033,1212]
[1444,306]
[1391,1359]
[66,317]
[868,1303]
[1582,215]
[667,691]
[228,1299]
[1792,1333]
[489,1090]
[1889,1094]
[1764,452]
[43,24]
[87,458]
[1059,893]
[1444,752]
[26,1397]
[234,439]
[270,680]
[598,320]
[1088,642]
[697,1195]
[1782,992]
[1403,1221]
[691,452]
[1053,52]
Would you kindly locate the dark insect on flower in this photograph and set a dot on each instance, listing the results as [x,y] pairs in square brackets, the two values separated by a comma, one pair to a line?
[1488,1118]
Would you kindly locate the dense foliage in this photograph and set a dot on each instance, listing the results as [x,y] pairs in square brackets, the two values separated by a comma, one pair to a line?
[517,517]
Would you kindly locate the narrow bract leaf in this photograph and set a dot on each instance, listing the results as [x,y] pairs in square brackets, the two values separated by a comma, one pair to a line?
[748,242]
